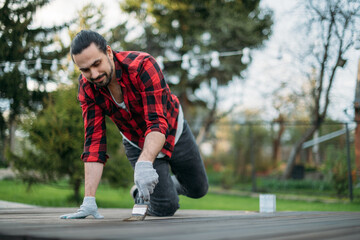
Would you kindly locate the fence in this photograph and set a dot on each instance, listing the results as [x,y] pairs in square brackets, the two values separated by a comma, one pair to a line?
[256,154]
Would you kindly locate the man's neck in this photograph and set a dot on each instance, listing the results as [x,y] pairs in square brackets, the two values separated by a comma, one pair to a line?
[115,90]
[113,82]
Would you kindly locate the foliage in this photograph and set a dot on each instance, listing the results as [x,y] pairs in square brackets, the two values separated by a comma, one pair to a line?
[276,185]
[233,147]
[330,27]
[190,28]
[55,139]
[107,197]
[90,17]
[117,171]
[27,55]
[229,164]
[336,170]
[250,141]
[55,142]
[60,194]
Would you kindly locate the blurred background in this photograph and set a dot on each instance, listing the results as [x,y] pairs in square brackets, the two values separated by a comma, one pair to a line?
[271,90]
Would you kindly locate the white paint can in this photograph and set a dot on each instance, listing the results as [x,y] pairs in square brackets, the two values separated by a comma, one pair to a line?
[267,203]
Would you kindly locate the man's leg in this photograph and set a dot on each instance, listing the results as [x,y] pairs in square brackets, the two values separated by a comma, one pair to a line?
[164,201]
[188,167]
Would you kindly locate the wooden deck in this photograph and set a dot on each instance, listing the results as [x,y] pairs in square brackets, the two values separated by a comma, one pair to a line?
[44,223]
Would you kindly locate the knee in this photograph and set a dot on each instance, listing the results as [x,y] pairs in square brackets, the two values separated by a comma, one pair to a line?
[199,191]
[164,209]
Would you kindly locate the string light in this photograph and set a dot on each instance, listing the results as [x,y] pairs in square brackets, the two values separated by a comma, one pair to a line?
[42,61]
[185,59]
[208,55]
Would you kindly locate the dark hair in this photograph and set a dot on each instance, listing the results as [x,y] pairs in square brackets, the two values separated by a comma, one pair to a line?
[84,38]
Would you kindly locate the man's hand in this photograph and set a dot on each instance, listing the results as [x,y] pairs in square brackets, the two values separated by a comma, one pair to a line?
[88,207]
[145,178]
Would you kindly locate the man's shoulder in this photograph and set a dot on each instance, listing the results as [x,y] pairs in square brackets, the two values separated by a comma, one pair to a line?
[131,57]
[130,54]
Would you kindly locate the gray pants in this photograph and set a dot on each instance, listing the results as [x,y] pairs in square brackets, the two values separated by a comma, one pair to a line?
[185,164]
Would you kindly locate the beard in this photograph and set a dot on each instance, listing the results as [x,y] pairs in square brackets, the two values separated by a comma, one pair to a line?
[108,77]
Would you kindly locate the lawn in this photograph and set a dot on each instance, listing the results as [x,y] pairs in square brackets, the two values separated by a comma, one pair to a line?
[108,197]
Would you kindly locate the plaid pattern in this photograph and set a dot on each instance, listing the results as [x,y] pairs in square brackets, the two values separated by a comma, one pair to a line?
[148,99]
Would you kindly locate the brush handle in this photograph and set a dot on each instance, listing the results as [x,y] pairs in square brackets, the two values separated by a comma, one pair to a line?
[141,201]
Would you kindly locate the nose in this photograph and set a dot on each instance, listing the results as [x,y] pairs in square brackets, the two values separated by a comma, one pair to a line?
[94,73]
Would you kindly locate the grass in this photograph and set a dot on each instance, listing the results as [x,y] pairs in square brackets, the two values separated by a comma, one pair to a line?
[248,203]
[108,197]
[60,195]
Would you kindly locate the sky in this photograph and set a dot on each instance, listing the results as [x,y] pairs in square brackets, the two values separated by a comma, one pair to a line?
[268,63]
[58,11]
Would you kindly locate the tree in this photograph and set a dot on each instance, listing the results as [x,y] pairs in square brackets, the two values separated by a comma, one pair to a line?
[291,102]
[331,26]
[190,37]
[54,138]
[55,141]
[26,55]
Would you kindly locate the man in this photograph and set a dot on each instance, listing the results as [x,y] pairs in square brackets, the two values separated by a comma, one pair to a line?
[130,88]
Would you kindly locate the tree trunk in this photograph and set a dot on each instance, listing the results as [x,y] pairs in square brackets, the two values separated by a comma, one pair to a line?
[76,188]
[357,142]
[316,150]
[2,139]
[296,149]
[210,119]
[12,139]
[204,130]
[185,104]
[357,120]
[277,143]
[2,152]
[239,164]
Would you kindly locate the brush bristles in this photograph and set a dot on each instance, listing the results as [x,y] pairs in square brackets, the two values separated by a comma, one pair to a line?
[135,218]
[138,213]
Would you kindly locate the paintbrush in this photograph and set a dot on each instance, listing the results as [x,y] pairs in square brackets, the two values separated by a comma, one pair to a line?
[139,211]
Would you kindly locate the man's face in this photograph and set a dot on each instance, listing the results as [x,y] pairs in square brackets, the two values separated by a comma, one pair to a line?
[95,66]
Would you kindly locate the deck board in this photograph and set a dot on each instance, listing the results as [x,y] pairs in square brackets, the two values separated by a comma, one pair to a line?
[44,223]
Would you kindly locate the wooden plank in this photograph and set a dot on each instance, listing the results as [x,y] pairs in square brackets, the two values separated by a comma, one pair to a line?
[44,223]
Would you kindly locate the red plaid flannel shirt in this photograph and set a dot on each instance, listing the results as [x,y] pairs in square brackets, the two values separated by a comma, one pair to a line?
[150,105]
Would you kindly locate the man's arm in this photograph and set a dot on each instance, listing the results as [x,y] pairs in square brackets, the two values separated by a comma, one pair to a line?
[145,175]
[153,144]
[154,94]
[93,172]
[94,155]
[153,90]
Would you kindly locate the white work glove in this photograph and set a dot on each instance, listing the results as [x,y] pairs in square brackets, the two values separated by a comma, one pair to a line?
[88,207]
[145,178]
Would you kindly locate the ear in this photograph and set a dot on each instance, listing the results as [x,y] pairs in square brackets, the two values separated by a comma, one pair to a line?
[109,52]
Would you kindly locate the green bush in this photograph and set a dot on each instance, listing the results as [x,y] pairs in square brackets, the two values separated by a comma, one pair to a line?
[268,185]
[335,170]
[54,142]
